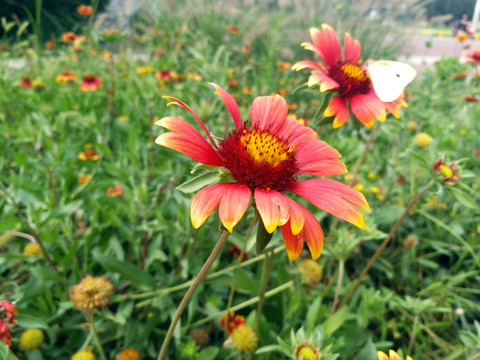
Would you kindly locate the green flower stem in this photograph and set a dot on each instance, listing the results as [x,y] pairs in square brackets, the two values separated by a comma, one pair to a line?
[163,292]
[341,270]
[201,275]
[385,242]
[266,269]
[245,304]
[95,336]
[412,334]
[239,262]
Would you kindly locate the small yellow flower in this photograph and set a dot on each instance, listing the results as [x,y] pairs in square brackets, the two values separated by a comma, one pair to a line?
[371,175]
[358,187]
[375,190]
[311,271]
[107,55]
[91,292]
[463,132]
[86,354]
[461,36]
[144,70]
[422,139]
[123,118]
[434,203]
[306,352]
[32,249]
[31,339]
[195,76]
[411,125]
[129,354]
[244,339]
[37,84]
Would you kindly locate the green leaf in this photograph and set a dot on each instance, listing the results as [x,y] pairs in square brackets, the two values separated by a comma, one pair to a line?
[199,182]
[335,321]
[464,199]
[244,281]
[28,321]
[5,353]
[137,277]
[208,353]
[65,210]
[420,160]
[312,312]
[263,238]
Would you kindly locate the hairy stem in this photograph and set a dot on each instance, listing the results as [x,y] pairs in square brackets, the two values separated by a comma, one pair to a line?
[201,275]
[95,336]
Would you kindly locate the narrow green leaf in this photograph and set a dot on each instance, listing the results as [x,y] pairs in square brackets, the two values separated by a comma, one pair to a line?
[199,182]
[464,199]
[137,277]
[312,312]
[335,321]
[28,321]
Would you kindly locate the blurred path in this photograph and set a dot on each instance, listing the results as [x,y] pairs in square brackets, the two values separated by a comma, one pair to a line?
[422,56]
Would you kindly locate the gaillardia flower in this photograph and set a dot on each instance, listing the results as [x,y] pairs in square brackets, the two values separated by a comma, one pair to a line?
[346,77]
[91,293]
[91,83]
[263,161]
[84,10]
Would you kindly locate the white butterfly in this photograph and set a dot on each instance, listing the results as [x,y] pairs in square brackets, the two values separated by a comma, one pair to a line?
[389,78]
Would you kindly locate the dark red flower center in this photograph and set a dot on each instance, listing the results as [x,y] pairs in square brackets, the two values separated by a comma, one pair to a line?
[258,159]
[353,80]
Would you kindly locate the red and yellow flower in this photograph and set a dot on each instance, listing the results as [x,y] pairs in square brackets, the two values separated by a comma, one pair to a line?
[472,55]
[85,10]
[25,82]
[88,153]
[91,83]
[264,161]
[346,77]
[114,191]
[234,321]
[69,37]
[67,76]
[9,311]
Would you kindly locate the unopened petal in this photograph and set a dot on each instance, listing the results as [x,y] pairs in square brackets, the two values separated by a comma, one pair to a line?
[268,113]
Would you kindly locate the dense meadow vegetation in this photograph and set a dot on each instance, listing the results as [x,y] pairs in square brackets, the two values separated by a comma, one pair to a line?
[97,245]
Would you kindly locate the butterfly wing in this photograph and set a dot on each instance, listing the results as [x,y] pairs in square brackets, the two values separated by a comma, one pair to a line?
[389,78]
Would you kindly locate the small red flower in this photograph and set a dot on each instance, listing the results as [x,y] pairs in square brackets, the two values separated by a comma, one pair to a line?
[67,76]
[85,10]
[9,310]
[114,191]
[232,83]
[234,321]
[246,48]
[50,45]
[69,37]
[472,55]
[88,153]
[459,75]
[165,75]
[233,29]
[236,251]
[91,83]
[25,83]
[477,151]
[5,336]
[471,98]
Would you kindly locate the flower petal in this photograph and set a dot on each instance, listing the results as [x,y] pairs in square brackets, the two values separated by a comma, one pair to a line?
[204,203]
[339,109]
[351,49]
[367,106]
[230,104]
[311,232]
[187,140]
[307,64]
[319,159]
[272,207]
[382,356]
[327,44]
[296,133]
[333,197]
[268,113]
[326,82]
[234,203]
[393,355]
[186,107]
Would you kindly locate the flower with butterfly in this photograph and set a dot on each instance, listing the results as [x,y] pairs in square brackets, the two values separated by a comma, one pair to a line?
[259,165]
[368,91]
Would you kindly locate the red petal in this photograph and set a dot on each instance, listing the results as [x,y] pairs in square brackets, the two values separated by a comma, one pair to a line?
[268,113]
[313,234]
[339,109]
[333,197]
[186,107]
[319,159]
[351,49]
[205,202]
[187,140]
[293,243]
[327,44]
[326,82]
[272,207]
[230,104]
[307,64]
[234,203]
[296,133]
[365,107]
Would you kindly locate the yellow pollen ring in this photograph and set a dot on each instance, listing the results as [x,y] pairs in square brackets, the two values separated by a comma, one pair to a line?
[265,148]
[353,71]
